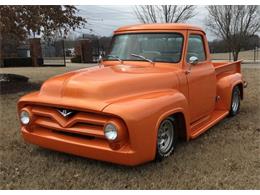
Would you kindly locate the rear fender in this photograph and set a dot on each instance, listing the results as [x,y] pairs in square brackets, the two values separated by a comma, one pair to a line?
[225,86]
[143,115]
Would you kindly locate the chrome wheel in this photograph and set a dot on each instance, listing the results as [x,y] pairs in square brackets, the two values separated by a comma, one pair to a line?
[165,137]
[235,100]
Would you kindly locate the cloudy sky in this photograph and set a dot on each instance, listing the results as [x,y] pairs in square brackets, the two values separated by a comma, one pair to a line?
[104,19]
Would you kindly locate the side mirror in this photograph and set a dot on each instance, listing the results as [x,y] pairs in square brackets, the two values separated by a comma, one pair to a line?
[100,58]
[193,60]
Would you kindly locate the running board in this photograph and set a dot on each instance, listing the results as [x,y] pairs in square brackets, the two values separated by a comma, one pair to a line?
[204,125]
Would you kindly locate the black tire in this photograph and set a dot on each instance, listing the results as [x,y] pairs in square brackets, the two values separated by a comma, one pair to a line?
[235,101]
[166,139]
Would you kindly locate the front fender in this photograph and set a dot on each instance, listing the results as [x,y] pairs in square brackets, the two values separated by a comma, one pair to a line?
[143,114]
[225,86]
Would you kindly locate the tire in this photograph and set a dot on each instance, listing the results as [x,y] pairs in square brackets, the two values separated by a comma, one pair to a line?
[166,138]
[235,101]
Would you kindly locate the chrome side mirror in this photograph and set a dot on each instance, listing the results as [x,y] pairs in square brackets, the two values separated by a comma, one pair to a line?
[193,60]
[100,60]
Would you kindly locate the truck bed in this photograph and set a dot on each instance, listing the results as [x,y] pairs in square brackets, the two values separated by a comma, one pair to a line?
[227,67]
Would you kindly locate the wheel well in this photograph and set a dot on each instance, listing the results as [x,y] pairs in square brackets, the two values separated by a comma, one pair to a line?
[180,119]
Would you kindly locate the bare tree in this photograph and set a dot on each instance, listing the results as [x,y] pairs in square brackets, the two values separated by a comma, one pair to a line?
[235,24]
[164,13]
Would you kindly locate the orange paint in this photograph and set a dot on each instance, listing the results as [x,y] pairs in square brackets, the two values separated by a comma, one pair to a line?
[135,96]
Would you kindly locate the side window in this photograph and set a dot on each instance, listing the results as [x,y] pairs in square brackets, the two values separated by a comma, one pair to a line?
[196,48]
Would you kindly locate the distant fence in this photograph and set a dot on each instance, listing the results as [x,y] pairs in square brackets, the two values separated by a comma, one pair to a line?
[38,52]
[248,56]
[18,56]
[54,53]
[60,52]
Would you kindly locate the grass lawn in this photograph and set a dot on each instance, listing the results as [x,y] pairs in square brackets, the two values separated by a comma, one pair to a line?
[225,157]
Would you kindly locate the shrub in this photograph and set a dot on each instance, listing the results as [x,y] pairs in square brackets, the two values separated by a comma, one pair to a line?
[13,78]
[20,62]
[76,59]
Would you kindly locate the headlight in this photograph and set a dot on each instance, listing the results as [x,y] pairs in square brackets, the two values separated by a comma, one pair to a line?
[110,131]
[25,117]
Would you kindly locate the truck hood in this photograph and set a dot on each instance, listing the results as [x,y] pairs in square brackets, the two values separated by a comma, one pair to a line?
[97,87]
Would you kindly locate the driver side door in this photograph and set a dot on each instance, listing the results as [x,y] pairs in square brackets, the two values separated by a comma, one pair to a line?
[201,78]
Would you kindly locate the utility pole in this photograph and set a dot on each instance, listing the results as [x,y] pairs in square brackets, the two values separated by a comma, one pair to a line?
[255,49]
[64,52]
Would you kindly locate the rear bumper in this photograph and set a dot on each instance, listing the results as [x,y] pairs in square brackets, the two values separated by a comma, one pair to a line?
[82,147]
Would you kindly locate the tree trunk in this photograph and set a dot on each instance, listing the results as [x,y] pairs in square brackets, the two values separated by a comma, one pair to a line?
[1,59]
[1,51]
[1,62]
[235,55]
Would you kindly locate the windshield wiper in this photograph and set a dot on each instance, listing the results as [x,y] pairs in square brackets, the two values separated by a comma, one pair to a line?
[116,57]
[142,57]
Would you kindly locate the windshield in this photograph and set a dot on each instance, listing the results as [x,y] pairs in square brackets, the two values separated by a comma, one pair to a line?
[157,47]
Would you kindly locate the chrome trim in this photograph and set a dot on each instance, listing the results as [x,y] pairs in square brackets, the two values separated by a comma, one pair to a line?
[245,84]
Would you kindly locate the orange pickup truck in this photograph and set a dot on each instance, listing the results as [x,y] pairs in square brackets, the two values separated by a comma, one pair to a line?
[156,86]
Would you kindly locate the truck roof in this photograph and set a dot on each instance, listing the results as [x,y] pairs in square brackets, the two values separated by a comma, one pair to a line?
[158,26]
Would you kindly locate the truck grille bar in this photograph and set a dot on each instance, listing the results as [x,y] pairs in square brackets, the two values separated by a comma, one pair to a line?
[81,123]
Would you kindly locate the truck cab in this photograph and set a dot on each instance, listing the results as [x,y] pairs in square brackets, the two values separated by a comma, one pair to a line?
[156,85]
